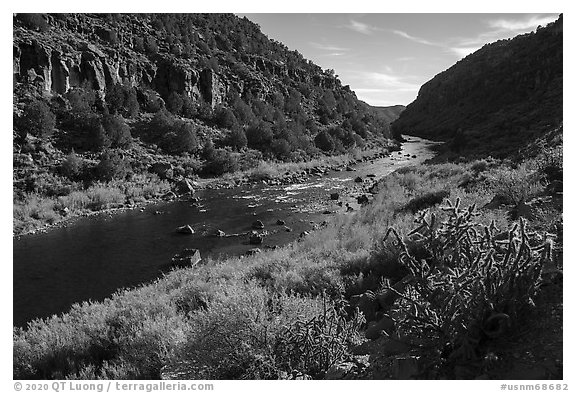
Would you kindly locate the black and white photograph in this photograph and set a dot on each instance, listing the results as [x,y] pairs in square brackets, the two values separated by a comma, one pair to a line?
[286,196]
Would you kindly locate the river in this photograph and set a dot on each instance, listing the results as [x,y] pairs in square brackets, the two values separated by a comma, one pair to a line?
[94,256]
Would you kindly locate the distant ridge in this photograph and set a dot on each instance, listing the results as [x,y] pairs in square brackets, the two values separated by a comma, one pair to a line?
[495,100]
[389,113]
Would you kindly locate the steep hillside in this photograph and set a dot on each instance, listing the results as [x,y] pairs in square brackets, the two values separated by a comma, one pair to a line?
[110,109]
[495,100]
[216,68]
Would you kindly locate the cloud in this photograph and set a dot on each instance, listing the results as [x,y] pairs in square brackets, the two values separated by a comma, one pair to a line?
[379,81]
[517,25]
[331,48]
[463,51]
[500,29]
[415,39]
[361,27]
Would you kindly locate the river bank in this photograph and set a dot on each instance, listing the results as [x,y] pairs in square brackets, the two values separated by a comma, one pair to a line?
[51,212]
[131,246]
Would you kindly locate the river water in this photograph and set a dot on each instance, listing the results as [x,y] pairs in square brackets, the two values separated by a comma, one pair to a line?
[93,257]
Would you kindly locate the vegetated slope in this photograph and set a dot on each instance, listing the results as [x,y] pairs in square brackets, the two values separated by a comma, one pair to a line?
[390,113]
[494,100]
[114,109]
[216,68]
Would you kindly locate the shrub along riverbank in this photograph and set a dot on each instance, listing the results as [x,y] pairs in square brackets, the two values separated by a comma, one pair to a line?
[451,286]
[55,197]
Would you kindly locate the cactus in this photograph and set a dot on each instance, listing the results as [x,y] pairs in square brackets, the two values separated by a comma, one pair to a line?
[473,284]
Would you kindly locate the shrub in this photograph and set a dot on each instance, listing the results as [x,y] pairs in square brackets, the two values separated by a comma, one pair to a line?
[237,139]
[281,149]
[174,103]
[260,136]
[180,138]
[225,118]
[324,141]
[463,282]
[219,162]
[550,163]
[72,166]
[37,120]
[112,166]
[121,99]
[314,345]
[425,201]
[515,185]
[82,101]
[117,131]
[88,132]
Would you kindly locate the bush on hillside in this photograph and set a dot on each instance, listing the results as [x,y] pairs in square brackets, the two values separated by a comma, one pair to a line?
[112,165]
[37,120]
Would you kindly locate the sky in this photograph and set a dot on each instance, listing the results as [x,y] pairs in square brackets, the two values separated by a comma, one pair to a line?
[385,58]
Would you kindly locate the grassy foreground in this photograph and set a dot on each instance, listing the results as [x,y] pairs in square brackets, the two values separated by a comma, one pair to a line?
[449,278]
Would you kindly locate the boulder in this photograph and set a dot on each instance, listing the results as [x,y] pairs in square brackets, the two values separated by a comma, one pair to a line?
[256,238]
[258,224]
[164,170]
[253,251]
[215,233]
[334,196]
[184,187]
[170,195]
[185,229]
[374,189]
[371,175]
[280,222]
[358,180]
[188,257]
[287,229]
[362,199]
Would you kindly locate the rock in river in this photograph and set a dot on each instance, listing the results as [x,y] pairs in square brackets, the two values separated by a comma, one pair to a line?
[185,229]
[258,224]
[256,238]
[188,257]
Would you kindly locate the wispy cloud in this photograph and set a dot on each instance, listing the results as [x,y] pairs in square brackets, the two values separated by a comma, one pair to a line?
[380,81]
[516,25]
[361,27]
[331,48]
[415,39]
[499,29]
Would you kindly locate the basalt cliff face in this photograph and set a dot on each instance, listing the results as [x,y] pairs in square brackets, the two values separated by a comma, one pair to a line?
[495,100]
[209,58]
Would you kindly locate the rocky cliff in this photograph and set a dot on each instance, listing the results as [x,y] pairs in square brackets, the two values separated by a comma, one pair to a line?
[216,70]
[494,100]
